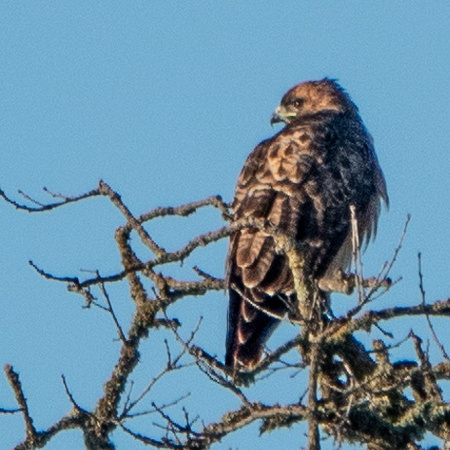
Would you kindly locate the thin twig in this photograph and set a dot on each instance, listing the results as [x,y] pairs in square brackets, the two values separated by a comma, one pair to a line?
[153,411]
[172,365]
[46,207]
[133,223]
[111,310]
[16,385]
[10,411]
[69,394]
[387,266]
[427,315]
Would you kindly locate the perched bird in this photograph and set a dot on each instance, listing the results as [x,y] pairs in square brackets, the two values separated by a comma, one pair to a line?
[303,180]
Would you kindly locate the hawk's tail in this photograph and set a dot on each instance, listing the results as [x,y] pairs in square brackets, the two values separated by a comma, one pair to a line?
[249,328]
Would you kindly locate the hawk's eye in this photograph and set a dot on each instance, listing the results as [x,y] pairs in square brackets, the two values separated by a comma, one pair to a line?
[297,102]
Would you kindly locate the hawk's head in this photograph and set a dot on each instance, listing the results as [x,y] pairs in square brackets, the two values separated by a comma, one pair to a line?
[311,97]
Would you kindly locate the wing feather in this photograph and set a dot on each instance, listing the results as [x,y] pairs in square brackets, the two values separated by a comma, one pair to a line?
[254,274]
[267,188]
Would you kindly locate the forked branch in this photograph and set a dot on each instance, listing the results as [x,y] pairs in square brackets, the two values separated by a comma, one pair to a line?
[354,394]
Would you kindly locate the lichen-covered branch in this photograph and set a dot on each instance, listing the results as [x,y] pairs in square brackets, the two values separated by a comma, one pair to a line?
[354,394]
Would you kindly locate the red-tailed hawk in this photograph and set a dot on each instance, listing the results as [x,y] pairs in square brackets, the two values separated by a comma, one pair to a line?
[303,180]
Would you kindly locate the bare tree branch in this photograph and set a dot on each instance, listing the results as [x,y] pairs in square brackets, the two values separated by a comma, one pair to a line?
[355,394]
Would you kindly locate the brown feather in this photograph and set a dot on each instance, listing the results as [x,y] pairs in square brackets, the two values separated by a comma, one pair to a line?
[254,274]
[303,180]
[249,247]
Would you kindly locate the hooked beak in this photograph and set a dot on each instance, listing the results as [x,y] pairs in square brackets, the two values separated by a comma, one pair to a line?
[282,115]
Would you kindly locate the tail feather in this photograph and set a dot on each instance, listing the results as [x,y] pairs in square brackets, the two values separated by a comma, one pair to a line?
[248,330]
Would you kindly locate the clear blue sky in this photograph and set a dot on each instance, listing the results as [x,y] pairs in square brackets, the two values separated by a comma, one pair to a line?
[164,100]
